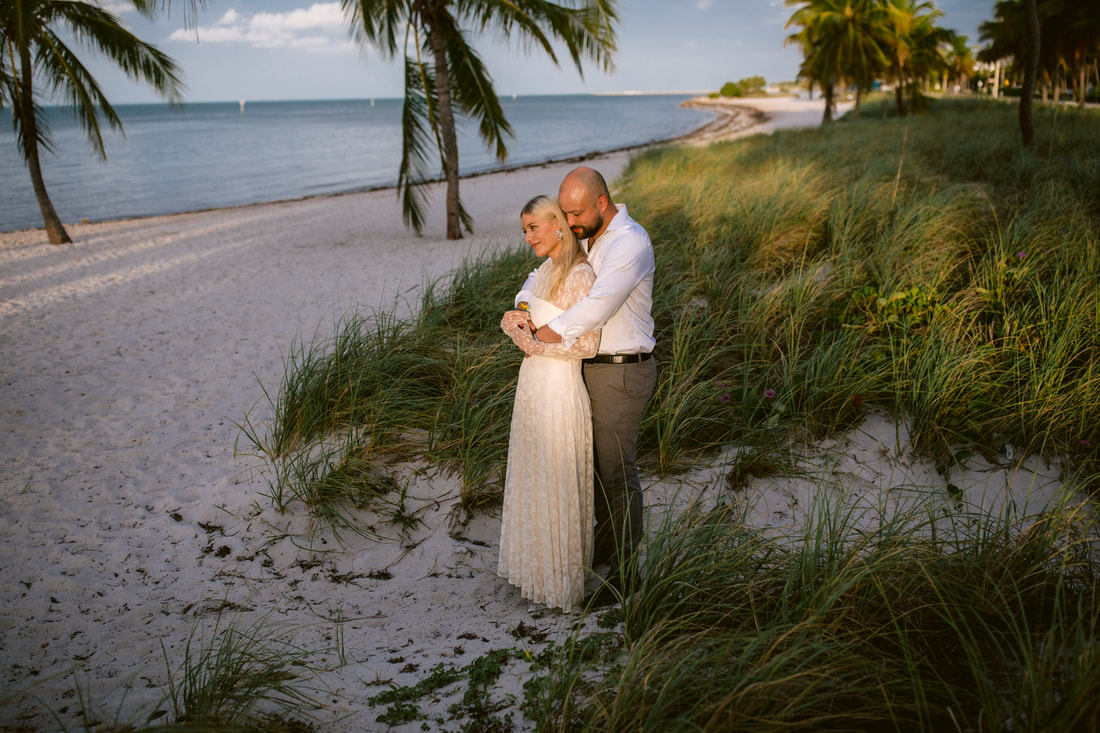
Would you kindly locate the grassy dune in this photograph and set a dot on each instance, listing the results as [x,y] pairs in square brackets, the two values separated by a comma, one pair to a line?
[927,268]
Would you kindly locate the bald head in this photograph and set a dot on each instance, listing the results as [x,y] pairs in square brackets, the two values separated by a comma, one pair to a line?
[586,180]
[586,202]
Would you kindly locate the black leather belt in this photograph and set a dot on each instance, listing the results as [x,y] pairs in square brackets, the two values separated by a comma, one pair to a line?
[618,358]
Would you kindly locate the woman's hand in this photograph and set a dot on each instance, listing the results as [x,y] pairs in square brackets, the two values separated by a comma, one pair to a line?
[518,326]
[515,319]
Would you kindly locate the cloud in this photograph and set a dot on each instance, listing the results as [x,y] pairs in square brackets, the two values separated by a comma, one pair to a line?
[704,4]
[320,28]
[117,8]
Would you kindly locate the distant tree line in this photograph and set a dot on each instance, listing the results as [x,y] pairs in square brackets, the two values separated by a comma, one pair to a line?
[856,43]
[743,87]
[1069,45]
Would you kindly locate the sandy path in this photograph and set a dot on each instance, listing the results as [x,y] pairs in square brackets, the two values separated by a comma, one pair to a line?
[126,518]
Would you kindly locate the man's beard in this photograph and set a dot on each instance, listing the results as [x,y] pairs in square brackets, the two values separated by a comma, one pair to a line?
[587,232]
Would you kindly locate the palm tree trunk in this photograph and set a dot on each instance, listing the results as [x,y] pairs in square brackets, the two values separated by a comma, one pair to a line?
[899,89]
[1083,85]
[55,230]
[1031,69]
[447,131]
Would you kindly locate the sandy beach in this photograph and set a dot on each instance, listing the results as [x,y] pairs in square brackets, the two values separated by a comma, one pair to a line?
[128,519]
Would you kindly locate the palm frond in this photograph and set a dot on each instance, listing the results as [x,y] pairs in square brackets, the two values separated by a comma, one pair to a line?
[473,93]
[41,123]
[377,22]
[586,27]
[505,16]
[69,80]
[149,8]
[66,77]
[102,31]
[417,137]
[595,32]
[7,69]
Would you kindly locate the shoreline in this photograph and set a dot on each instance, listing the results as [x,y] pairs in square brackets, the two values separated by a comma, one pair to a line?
[726,123]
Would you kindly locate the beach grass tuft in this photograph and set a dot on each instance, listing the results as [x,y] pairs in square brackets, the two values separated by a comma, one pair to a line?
[236,676]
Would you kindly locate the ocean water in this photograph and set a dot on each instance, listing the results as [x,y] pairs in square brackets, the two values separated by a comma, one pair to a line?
[211,154]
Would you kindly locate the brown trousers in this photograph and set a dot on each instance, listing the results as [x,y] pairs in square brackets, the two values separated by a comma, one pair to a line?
[618,393]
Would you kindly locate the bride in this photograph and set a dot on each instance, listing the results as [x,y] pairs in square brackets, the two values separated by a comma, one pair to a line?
[546,527]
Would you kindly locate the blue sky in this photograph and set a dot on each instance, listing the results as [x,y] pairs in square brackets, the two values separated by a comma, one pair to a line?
[297,49]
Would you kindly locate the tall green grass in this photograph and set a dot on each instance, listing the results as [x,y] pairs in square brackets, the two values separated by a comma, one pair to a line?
[961,292]
[924,622]
[924,266]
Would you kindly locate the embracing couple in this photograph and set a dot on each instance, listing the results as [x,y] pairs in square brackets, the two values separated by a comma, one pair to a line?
[572,497]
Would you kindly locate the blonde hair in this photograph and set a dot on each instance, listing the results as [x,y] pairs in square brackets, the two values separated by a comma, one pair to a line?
[570,255]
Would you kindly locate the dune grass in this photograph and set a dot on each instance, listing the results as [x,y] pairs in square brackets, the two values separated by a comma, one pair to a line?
[823,277]
[925,267]
[964,621]
[236,676]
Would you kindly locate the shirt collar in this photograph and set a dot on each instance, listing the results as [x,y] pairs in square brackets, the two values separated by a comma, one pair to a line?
[616,221]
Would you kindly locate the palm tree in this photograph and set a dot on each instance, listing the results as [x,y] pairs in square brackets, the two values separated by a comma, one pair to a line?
[816,66]
[1031,70]
[444,75]
[913,46]
[1074,39]
[929,58]
[1053,36]
[806,37]
[35,58]
[959,61]
[842,39]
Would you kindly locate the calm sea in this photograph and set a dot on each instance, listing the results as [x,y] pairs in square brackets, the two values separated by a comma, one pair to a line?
[211,154]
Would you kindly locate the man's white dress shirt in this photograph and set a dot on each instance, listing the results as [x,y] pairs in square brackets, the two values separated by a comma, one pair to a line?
[621,300]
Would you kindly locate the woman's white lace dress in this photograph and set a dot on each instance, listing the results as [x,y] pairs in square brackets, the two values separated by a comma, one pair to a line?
[546,526]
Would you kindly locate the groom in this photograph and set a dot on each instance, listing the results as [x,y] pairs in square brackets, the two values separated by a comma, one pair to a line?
[621,377]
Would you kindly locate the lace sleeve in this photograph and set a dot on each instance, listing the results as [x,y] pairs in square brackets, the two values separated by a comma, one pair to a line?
[576,286]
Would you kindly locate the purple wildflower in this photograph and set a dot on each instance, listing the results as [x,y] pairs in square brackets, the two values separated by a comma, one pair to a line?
[1085,443]
[769,393]
[1021,255]
[724,399]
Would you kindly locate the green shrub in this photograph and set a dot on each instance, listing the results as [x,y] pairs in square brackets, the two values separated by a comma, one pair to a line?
[731,89]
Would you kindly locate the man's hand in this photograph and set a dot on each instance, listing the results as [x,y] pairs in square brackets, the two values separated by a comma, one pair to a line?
[547,335]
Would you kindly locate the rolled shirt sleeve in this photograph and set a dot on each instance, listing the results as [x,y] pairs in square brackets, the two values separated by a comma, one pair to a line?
[528,290]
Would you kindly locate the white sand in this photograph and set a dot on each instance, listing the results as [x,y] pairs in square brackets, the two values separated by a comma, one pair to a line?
[126,519]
